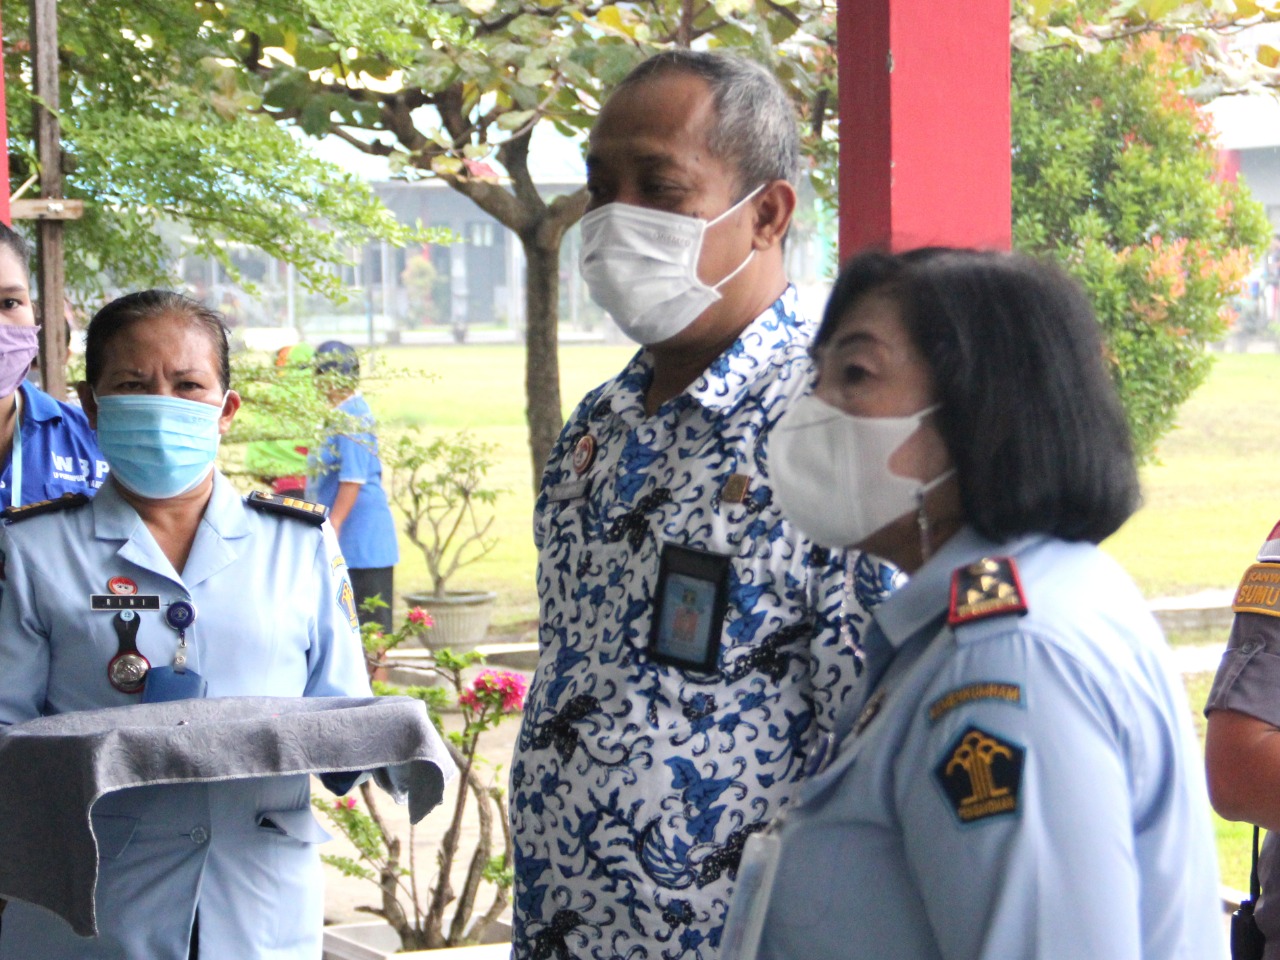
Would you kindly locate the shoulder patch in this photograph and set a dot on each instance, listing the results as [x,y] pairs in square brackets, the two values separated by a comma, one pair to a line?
[981,775]
[29,510]
[1270,552]
[970,693]
[305,510]
[1259,590]
[985,588]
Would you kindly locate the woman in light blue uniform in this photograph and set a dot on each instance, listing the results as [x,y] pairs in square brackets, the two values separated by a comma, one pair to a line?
[170,568]
[1017,777]
[46,446]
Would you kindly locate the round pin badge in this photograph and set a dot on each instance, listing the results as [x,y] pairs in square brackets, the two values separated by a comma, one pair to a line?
[180,615]
[122,587]
[128,672]
[584,454]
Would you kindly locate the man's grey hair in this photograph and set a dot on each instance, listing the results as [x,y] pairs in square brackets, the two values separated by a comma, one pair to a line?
[755,129]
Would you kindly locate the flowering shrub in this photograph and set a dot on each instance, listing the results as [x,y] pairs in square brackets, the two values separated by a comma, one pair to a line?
[1115,176]
[415,906]
[495,689]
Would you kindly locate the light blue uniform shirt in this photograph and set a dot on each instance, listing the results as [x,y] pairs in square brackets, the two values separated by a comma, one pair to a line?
[1099,847]
[368,535]
[58,451]
[274,618]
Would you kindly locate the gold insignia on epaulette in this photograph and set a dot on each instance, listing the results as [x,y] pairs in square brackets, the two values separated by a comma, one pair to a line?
[313,513]
[1259,590]
[28,510]
[986,588]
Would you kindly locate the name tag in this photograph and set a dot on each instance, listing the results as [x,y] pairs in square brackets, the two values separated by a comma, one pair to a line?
[113,601]
[569,490]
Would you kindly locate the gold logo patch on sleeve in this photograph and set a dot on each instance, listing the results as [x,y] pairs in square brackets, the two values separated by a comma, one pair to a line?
[981,775]
[1259,590]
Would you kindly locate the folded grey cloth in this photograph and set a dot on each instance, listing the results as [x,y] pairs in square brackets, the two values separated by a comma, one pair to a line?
[53,769]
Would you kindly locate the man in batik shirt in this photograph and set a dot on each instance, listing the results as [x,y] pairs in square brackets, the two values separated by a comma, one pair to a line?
[654,743]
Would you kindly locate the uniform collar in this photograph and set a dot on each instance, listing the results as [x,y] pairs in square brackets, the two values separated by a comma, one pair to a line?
[224,521]
[729,377]
[38,405]
[115,519]
[926,596]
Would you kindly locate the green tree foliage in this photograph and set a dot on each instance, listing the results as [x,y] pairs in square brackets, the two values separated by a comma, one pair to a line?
[156,128]
[1114,175]
[453,90]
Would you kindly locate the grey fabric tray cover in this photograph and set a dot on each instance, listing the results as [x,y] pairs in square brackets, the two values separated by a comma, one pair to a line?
[53,769]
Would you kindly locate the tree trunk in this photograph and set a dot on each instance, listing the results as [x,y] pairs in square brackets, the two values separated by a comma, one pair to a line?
[541,358]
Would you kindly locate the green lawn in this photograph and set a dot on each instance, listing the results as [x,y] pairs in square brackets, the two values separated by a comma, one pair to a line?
[1213,497]
[481,389]
[1209,502]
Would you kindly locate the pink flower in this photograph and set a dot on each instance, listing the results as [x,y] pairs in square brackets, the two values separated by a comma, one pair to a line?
[420,618]
[498,688]
[345,803]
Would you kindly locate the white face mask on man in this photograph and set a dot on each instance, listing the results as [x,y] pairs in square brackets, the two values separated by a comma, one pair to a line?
[641,266]
[830,471]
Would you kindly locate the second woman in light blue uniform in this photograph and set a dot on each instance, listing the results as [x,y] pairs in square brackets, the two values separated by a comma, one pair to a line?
[226,596]
[1017,778]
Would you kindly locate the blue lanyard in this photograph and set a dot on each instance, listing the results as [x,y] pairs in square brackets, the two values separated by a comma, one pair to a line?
[15,475]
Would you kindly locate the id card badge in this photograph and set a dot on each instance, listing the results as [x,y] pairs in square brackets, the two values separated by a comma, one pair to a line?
[692,598]
[750,902]
[165,684]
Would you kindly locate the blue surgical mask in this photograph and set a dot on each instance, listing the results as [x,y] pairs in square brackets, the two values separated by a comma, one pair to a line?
[158,447]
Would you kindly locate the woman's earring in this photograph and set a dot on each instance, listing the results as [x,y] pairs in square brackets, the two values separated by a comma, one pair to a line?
[922,521]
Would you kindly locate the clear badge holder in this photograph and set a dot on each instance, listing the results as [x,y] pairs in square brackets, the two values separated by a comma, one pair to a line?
[750,901]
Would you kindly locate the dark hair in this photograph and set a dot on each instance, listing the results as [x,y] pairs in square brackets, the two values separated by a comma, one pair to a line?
[334,356]
[1028,410]
[16,244]
[755,129]
[146,305]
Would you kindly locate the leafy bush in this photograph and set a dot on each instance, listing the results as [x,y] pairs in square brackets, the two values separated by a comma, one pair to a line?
[1115,176]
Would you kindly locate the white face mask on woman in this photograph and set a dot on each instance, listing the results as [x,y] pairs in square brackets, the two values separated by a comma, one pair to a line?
[641,266]
[830,471]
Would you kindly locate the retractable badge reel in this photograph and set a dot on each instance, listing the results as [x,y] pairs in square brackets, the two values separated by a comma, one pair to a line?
[176,682]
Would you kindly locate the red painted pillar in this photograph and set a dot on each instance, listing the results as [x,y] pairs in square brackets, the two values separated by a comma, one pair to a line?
[4,141]
[924,124]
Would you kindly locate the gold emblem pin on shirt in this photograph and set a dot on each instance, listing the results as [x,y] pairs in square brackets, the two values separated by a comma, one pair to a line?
[735,488]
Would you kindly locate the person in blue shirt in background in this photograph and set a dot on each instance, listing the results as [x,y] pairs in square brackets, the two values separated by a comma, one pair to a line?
[46,446]
[345,475]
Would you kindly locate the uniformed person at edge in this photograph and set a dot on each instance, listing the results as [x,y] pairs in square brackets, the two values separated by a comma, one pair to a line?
[1018,778]
[168,585]
[1242,751]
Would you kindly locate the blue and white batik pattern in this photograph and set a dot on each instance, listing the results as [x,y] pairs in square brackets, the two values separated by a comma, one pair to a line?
[635,784]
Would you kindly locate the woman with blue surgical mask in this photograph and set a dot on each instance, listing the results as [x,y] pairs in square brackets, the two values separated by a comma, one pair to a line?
[170,585]
[1016,776]
[46,447]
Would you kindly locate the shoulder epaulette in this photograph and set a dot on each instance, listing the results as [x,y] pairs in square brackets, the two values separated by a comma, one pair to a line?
[29,510]
[985,588]
[1259,590]
[305,510]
